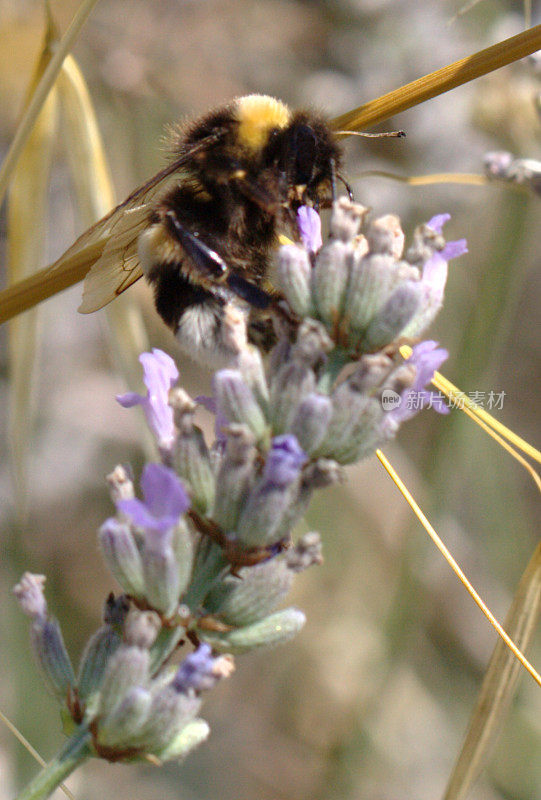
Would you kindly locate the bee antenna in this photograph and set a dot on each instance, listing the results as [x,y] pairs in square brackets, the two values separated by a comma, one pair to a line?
[383,135]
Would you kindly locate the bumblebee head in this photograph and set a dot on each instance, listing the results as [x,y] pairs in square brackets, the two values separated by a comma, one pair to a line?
[300,147]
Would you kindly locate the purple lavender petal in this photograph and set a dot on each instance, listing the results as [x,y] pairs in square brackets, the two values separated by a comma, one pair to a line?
[159,371]
[130,399]
[427,358]
[309,224]
[141,516]
[196,671]
[284,461]
[163,491]
[159,375]
[164,500]
[454,249]
[437,222]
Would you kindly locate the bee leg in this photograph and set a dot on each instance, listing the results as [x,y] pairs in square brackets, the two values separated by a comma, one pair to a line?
[212,265]
[248,291]
[347,187]
[333,179]
[253,191]
[206,260]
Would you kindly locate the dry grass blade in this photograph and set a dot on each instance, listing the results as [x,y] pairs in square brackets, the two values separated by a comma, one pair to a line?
[490,424]
[83,146]
[42,90]
[499,683]
[95,198]
[32,750]
[26,230]
[453,393]
[441,81]
[468,179]
[504,636]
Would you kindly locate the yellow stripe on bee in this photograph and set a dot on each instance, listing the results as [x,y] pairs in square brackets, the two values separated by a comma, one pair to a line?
[156,246]
[258,114]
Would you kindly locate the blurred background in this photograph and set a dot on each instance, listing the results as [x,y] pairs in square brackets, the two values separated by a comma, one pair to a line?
[371,701]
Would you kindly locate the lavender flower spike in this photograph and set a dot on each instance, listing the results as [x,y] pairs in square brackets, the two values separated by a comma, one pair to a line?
[164,500]
[159,375]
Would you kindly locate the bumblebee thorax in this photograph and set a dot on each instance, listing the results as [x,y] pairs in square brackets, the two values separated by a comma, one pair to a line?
[257,116]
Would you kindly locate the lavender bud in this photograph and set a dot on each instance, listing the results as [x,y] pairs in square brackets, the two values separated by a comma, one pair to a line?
[433,282]
[122,556]
[29,593]
[236,401]
[183,548]
[294,273]
[122,724]
[305,553]
[371,371]
[346,219]
[141,629]
[190,455]
[385,235]
[330,279]
[369,286]
[48,645]
[321,473]
[348,407]
[427,240]
[261,520]
[192,735]
[169,713]
[243,600]
[313,343]
[161,573]
[293,382]
[311,421]
[365,436]
[45,636]
[258,590]
[396,313]
[127,669]
[250,363]
[100,648]
[235,477]
[120,484]
[275,629]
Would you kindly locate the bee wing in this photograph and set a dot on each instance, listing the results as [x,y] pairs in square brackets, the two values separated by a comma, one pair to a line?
[114,240]
[106,254]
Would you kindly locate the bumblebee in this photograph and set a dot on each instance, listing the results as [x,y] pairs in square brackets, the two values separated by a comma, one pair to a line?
[203,229]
